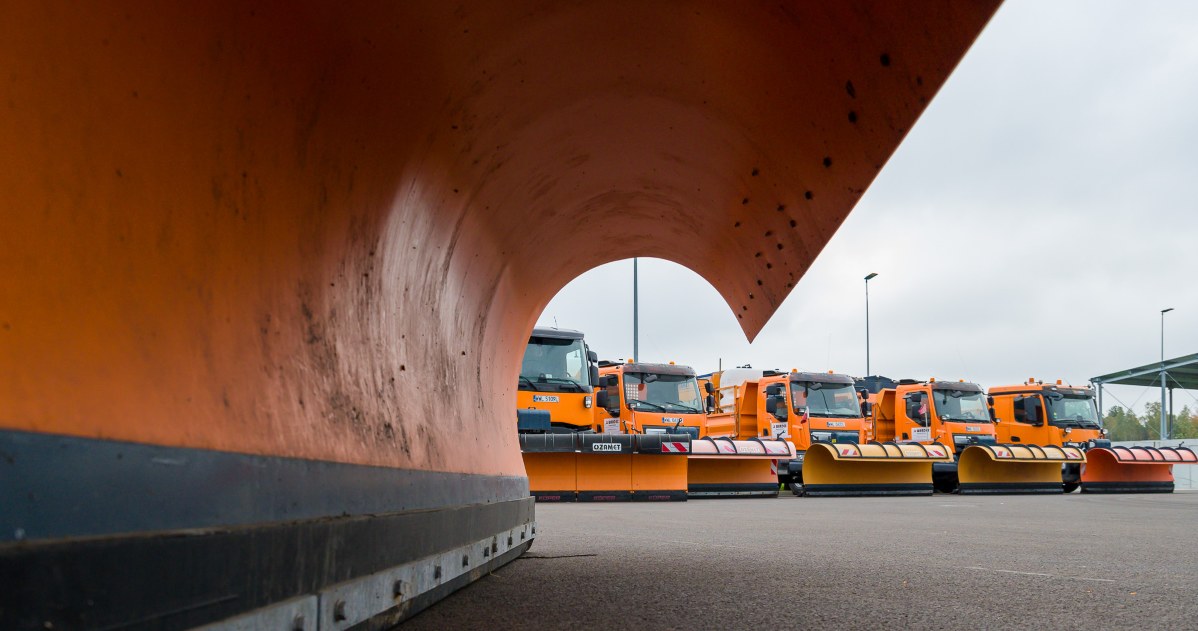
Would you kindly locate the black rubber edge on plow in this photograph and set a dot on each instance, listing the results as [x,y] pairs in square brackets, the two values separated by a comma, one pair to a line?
[1127,487]
[854,490]
[1010,488]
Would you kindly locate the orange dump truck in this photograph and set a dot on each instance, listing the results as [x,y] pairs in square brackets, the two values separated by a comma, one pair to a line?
[567,455]
[820,413]
[957,415]
[1058,414]
[666,400]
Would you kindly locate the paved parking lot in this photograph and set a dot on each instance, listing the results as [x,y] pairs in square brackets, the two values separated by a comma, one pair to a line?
[940,562]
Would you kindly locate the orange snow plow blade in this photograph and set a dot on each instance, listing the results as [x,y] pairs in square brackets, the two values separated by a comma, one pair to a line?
[1014,468]
[722,467]
[871,468]
[606,467]
[1133,469]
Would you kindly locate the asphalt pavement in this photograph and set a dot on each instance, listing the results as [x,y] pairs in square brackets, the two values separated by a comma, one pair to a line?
[939,562]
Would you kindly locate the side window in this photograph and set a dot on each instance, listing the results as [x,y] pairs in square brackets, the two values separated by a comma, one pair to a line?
[575,364]
[799,394]
[1020,413]
[611,385]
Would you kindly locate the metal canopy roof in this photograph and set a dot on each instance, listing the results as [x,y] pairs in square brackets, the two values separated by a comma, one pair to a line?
[1183,373]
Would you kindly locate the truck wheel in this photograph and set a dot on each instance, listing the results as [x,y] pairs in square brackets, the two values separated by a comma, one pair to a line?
[796,488]
[1070,487]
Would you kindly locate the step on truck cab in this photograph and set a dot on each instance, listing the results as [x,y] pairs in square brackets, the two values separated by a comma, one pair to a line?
[566,456]
[957,415]
[1064,415]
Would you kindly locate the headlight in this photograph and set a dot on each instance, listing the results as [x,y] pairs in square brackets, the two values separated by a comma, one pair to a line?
[1104,432]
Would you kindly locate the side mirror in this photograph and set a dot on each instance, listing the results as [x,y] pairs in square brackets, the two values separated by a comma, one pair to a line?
[710,403]
[990,400]
[601,399]
[867,409]
[773,389]
[592,357]
[594,373]
[610,381]
[708,387]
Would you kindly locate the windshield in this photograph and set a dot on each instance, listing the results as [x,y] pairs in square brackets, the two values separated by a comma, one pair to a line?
[662,393]
[957,405]
[1072,412]
[835,400]
[555,365]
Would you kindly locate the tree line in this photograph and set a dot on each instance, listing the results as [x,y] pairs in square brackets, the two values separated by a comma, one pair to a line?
[1124,424]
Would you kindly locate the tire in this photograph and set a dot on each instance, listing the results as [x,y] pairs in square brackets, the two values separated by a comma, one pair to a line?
[944,484]
[1070,487]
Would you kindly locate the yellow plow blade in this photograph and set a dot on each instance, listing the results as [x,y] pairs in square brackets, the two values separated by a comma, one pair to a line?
[722,467]
[871,468]
[1013,468]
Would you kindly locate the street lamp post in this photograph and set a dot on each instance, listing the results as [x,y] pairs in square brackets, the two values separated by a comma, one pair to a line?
[636,314]
[1164,419]
[871,275]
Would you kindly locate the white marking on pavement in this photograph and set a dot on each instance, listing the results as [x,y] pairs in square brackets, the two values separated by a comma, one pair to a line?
[1076,578]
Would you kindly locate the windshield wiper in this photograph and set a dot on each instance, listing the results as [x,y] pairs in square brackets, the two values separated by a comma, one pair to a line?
[660,407]
[567,380]
[526,380]
[686,408]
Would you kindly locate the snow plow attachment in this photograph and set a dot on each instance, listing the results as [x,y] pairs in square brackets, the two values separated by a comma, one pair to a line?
[722,467]
[1014,468]
[872,468]
[1133,469]
[606,467]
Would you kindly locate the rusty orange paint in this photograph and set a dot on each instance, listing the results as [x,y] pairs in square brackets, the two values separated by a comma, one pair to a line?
[325,231]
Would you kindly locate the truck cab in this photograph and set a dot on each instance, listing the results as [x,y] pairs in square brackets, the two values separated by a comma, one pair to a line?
[1049,414]
[811,407]
[945,412]
[556,384]
[644,398]
[800,407]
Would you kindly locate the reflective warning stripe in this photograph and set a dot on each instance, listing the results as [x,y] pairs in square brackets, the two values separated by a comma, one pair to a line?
[674,448]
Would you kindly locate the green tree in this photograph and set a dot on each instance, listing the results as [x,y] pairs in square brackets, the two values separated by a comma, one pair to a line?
[1185,425]
[1124,425]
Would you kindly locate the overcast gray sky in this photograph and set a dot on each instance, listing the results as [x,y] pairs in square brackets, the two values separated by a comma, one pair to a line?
[1033,223]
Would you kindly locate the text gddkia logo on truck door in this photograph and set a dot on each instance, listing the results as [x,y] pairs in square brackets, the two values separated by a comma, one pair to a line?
[606,447]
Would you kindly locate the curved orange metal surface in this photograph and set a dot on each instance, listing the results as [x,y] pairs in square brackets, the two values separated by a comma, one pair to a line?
[305,229]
